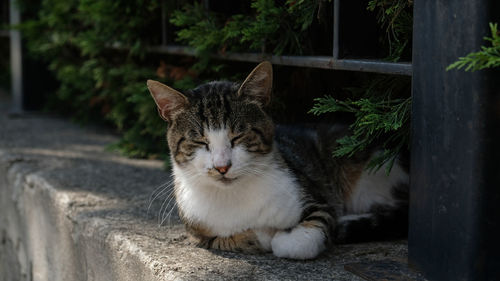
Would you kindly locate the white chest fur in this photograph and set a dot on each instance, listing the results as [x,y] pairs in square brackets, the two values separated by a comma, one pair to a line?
[270,200]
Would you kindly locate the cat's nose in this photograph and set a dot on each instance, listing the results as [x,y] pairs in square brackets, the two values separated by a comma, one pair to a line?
[223,169]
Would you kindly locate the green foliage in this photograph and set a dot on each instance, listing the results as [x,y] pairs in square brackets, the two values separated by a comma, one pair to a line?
[488,57]
[382,107]
[274,28]
[381,118]
[201,29]
[96,50]
[396,17]
[96,81]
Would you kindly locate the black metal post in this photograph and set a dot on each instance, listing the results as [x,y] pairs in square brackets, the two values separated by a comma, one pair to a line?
[455,167]
[164,22]
[336,22]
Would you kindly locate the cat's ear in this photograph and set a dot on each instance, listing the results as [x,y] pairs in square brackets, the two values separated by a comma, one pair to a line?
[257,86]
[167,99]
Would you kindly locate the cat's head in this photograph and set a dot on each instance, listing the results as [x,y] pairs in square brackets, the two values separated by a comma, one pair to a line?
[219,131]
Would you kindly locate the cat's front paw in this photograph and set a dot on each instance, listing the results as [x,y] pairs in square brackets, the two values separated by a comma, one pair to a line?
[299,243]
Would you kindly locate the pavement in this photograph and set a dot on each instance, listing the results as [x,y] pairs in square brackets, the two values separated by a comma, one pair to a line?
[72,210]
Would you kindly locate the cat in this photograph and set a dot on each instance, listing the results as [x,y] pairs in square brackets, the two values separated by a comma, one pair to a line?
[244,184]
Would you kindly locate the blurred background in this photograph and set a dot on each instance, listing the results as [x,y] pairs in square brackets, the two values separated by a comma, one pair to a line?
[88,60]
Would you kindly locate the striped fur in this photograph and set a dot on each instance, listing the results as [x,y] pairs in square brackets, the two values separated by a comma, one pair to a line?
[243,184]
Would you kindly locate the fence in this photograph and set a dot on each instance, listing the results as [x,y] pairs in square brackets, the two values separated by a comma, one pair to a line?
[324,62]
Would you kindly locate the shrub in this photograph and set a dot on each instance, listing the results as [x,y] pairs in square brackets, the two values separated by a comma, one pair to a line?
[274,28]
[382,117]
[97,51]
[382,106]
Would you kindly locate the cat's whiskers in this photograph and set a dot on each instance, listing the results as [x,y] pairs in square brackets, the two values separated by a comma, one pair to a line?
[160,186]
[166,190]
[162,211]
[166,202]
[155,194]
[169,214]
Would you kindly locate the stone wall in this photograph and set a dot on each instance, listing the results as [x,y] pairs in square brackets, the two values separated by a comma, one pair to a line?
[70,210]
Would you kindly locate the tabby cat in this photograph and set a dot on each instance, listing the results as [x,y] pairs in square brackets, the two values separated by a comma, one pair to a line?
[243,184]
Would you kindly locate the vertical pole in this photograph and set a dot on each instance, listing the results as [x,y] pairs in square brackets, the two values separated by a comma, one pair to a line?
[163,22]
[336,21]
[16,60]
[455,166]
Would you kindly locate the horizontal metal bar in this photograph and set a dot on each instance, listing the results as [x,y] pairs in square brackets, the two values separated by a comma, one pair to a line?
[172,50]
[324,62]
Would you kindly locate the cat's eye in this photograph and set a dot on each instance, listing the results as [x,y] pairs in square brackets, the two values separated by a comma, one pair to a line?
[234,139]
[202,143]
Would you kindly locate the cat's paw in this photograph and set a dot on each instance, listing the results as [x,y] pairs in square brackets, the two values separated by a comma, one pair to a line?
[300,243]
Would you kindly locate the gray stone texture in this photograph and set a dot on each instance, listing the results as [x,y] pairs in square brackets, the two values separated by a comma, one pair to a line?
[71,210]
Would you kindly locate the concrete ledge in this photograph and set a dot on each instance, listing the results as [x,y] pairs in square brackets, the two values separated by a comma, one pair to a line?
[72,211]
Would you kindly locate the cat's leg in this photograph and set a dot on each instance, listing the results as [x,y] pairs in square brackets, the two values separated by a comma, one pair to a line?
[246,241]
[381,223]
[306,240]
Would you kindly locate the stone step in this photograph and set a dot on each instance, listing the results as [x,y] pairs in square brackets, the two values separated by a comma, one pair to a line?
[71,210]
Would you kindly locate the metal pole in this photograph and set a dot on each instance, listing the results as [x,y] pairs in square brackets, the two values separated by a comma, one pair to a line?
[454,231]
[164,22]
[324,62]
[16,60]
[336,22]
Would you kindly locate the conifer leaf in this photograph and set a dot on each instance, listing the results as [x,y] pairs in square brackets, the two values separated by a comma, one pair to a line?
[487,57]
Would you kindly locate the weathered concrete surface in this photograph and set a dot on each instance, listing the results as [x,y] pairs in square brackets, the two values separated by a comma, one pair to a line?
[70,210]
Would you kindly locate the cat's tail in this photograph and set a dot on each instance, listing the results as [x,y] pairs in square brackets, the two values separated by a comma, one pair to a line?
[382,223]
[318,229]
